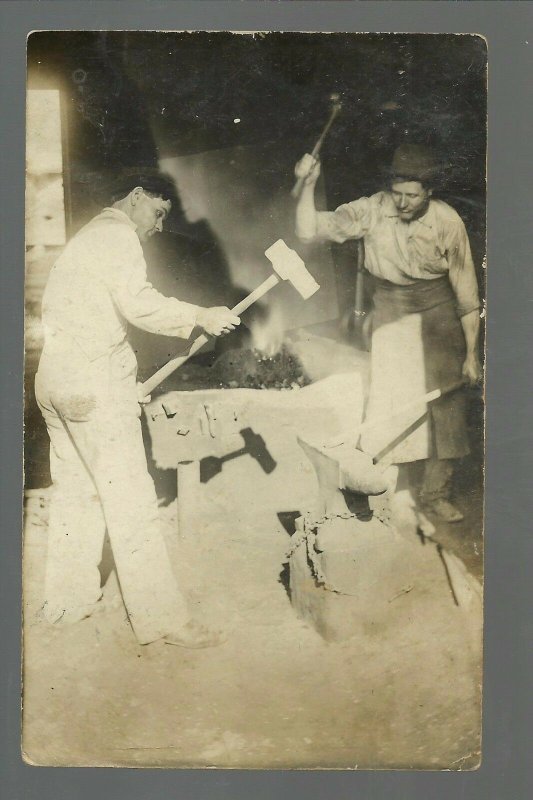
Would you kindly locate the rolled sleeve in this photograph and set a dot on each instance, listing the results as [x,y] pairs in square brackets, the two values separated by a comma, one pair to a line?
[348,221]
[462,273]
[137,300]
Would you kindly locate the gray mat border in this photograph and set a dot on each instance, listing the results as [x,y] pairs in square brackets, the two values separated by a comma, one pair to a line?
[505,771]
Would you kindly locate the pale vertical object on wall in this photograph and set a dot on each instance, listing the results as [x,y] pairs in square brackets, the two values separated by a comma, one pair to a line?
[45,203]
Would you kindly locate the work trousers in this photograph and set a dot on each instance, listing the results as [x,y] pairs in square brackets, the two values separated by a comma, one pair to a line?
[430,478]
[100,480]
[437,479]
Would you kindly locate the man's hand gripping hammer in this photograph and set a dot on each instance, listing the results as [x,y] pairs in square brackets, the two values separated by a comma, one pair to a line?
[287,265]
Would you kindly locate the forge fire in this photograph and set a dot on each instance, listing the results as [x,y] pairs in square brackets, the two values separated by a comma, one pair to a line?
[246,368]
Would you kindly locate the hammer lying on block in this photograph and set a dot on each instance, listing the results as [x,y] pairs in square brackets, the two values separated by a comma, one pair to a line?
[418,407]
[288,266]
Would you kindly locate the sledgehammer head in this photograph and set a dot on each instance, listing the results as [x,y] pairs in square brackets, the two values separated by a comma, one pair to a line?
[290,267]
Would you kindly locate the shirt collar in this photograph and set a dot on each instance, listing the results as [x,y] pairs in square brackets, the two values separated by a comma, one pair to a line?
[110,211]
[427,220]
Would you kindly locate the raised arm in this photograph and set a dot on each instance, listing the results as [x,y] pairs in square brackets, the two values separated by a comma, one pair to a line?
[348,221]
[307,168]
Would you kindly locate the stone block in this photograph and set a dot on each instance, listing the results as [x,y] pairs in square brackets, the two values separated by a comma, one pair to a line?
[384,582]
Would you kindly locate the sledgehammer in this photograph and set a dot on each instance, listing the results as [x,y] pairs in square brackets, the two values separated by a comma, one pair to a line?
[418,405]
[288,266]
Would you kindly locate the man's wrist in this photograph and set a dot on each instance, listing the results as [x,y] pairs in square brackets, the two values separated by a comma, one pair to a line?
[309,185]
[200,317]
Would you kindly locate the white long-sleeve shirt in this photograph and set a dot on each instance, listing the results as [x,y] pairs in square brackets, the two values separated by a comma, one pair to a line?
[403,252]
[98,285]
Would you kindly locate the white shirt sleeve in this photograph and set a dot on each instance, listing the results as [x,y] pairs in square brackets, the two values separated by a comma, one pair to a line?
[462,273]
[135,298]
[349,221]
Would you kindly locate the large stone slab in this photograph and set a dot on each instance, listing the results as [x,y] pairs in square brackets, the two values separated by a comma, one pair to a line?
[378,581]
[330,406]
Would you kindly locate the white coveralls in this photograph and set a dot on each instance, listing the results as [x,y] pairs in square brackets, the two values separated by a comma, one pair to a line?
[86,389]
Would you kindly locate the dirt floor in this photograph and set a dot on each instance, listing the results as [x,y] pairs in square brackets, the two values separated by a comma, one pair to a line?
[276,694]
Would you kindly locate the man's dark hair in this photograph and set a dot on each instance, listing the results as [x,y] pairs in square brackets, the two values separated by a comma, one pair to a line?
[155,184]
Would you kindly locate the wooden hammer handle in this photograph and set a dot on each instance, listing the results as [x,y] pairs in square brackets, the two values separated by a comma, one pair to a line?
[427,398]
[298,186]
[413,405]
[167,369]
[261,290]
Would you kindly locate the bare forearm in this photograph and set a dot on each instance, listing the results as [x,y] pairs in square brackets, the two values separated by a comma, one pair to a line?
[306,223]
[470,325]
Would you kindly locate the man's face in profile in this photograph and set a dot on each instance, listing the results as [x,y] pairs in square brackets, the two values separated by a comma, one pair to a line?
[149,214]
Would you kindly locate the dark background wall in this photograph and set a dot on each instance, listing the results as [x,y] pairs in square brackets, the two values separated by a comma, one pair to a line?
[131,99]
[134,97]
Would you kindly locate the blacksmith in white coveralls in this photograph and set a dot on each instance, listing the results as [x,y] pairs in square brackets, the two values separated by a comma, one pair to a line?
[87,391]
[425,320]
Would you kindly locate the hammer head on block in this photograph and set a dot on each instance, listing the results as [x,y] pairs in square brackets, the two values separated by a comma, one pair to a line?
[290,267]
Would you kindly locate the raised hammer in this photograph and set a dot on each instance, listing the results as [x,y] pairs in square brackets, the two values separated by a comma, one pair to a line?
[315,152]
[287,265]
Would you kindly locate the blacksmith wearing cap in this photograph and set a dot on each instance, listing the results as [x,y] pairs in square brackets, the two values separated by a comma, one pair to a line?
[425,320]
